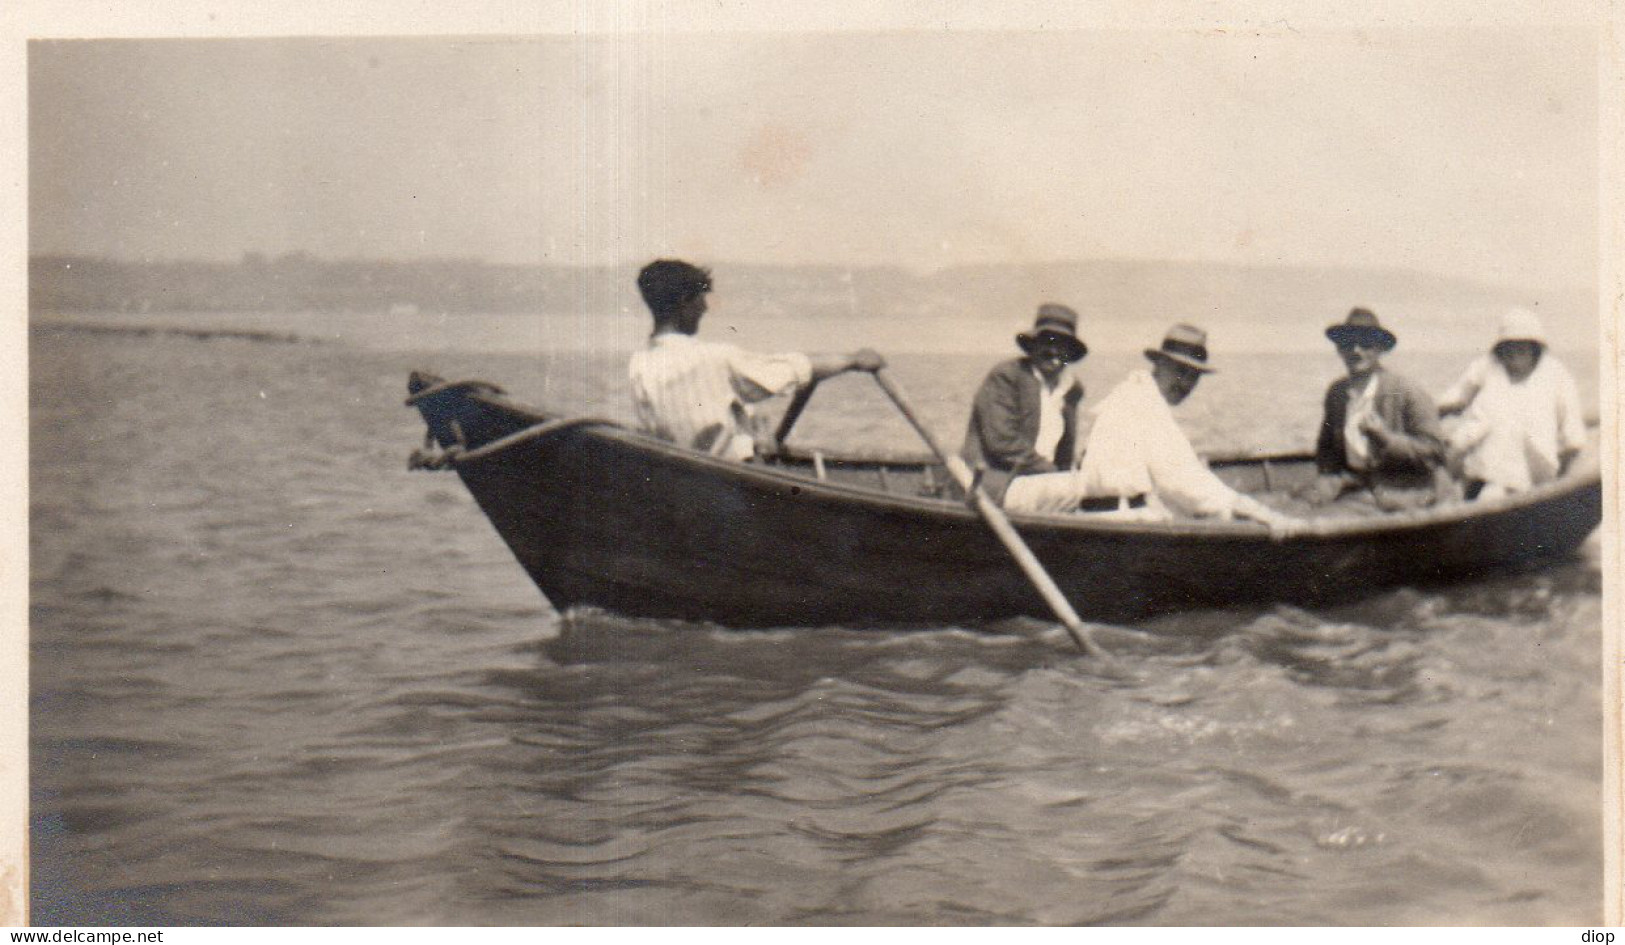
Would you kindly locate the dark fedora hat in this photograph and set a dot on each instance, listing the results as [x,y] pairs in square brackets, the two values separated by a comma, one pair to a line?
[1186,345]
[1361,324]
[1055,321]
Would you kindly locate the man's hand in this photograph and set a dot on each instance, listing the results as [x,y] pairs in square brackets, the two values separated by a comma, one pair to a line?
[1281,525]
[1372,426]
[867,359]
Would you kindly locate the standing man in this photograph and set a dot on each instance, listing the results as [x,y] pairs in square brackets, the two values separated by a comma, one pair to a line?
[1379,430]
[696,393]
[1024,420]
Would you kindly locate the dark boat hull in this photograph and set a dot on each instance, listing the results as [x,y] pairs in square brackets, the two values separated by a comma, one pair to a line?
[599,515]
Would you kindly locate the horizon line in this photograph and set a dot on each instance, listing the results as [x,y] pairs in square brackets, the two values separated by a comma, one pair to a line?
[916,271]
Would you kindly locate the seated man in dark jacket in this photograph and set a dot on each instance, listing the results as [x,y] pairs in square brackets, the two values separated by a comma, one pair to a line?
[1379,430]
[1025,417]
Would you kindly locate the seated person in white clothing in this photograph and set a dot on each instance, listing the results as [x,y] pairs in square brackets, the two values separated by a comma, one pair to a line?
[1521,423]
[696,393]
[1139,465]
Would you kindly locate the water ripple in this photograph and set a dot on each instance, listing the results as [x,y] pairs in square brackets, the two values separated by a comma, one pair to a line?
[277,679]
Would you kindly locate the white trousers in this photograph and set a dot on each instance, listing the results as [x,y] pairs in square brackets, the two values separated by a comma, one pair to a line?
[1059,493]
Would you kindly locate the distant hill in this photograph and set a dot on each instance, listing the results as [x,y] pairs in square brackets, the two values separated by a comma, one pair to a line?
[1130,298]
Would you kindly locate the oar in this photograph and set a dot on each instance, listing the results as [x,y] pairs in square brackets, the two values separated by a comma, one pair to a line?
[996,520]
[792,413]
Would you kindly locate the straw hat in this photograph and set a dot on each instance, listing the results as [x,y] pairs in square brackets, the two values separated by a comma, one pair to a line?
[1184,344]
[1055,321]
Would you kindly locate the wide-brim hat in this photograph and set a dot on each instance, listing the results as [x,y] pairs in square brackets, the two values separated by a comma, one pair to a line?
[1185,345]
[1055,321]
[1520,324]
[1361,323]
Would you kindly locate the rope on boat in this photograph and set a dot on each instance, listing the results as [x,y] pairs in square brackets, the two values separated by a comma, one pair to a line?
[458,454]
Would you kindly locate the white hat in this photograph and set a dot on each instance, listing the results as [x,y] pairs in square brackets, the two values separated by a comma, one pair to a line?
[1520,324]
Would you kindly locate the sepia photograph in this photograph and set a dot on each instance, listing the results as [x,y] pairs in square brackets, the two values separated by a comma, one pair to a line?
[653,466]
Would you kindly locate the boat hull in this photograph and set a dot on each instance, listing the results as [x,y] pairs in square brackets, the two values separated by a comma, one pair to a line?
[602,516]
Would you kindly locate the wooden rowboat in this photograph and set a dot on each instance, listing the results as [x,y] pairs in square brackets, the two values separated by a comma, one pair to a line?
[601,515]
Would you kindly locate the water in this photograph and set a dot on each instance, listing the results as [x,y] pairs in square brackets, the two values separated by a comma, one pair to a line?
[276,678]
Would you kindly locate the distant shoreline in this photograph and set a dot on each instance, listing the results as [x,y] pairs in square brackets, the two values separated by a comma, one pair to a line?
[204,334]
[303,282]
[68,323]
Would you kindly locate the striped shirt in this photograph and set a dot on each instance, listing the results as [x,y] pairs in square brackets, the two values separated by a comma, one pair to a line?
[695,392]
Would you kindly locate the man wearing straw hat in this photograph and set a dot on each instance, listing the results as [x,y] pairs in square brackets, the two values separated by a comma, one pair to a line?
[1522,423]
[1024,421]
[1379,430]
[1141,466]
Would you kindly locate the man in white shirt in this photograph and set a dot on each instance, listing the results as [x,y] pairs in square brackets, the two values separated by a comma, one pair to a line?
[1140,465]
[697,393]
[1523,423]
[1138,457]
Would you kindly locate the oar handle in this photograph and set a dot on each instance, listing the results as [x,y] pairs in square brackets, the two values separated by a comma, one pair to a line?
[999,522]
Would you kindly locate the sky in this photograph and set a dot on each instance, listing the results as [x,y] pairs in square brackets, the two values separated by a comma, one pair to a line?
[1463,151]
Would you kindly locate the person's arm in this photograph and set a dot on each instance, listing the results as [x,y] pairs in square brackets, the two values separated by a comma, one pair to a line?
[1571,427]
[1280,524]
[1181,478]
[756,377]
[1461,394]
[1420,440]
[1002,429]
[829,365]
[1466,437]
[1186,483]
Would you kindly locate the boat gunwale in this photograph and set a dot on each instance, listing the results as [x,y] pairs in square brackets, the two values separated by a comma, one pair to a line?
[1400,522]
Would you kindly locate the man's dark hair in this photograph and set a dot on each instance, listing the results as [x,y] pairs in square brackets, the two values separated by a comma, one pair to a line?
[668,283]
